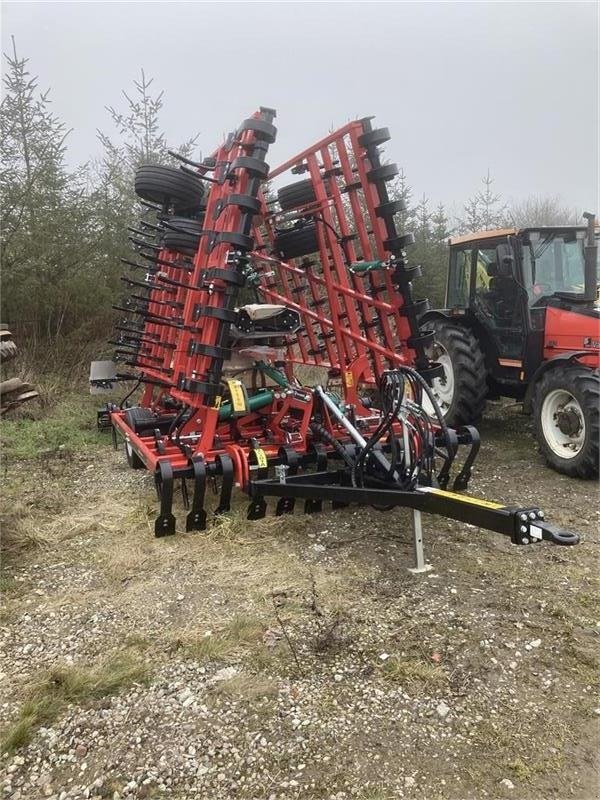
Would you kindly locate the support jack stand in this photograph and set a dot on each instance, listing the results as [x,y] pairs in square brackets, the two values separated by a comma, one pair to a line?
[420,565]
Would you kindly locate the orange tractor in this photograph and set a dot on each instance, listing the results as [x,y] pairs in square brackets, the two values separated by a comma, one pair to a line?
[522,320]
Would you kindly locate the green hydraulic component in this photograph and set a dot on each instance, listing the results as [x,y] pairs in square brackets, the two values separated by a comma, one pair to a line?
[360,267]
[273,373]
[280,378]
[262,398]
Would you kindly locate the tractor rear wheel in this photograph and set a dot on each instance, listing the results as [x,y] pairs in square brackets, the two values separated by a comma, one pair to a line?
[566,419]
[461,392]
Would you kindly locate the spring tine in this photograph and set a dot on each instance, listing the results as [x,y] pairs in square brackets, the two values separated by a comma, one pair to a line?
[196,519]
[164,524]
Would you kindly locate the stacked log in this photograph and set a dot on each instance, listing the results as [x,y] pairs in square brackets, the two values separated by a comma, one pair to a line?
[13,391]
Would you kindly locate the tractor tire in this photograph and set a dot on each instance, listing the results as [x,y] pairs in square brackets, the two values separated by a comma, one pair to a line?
[296,194]
[297,242]
[461,393]
[164,185]
[8,350]
[566,419]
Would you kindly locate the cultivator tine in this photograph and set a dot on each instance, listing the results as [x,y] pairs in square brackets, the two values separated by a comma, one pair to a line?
[467,435]
[257,508]
[227,473]
[290,463]
[196,519]
[451,445]
[164,525]
[257,458]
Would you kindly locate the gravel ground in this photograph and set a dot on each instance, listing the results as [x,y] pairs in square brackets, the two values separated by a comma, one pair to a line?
[297,657]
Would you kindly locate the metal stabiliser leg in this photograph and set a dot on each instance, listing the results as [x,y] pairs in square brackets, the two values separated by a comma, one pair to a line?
[164,524]
[420,565]
[196,519]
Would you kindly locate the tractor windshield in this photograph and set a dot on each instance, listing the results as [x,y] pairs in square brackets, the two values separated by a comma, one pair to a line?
[553,261]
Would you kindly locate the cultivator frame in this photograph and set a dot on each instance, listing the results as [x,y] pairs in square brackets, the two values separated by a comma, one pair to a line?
[327,264]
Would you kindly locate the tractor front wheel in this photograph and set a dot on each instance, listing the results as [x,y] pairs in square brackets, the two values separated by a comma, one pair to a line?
[462,390]
[566,419]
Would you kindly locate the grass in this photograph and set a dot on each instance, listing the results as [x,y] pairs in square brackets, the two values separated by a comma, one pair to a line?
[67,427]
[60,686]
[414,672]
[237,638]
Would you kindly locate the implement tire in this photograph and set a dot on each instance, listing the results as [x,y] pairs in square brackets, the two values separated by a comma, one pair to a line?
[186,238]
[566,419]
[296,194]
[169,185]
[297,242]
[461,393]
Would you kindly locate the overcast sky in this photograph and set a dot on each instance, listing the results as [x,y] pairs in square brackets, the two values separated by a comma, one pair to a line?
[462,86]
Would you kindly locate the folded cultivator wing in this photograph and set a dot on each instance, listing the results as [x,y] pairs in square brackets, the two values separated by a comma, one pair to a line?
[240,296]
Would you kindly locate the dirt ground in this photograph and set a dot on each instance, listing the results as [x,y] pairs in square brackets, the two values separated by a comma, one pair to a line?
[295,657]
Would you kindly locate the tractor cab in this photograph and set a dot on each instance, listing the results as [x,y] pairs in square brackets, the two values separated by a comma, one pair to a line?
[504,281]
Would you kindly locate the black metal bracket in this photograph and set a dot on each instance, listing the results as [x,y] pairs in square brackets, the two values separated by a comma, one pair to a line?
[523,525]
[196,519]
[164,524]
[226,470]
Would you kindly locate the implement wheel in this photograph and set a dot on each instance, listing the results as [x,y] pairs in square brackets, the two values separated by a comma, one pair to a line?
[169,185]
[297,242]
[296,194]
[186,238]
[566,419]
[462,390]
[134,461]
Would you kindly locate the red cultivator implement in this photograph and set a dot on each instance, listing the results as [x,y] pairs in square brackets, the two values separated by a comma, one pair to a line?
[241,292]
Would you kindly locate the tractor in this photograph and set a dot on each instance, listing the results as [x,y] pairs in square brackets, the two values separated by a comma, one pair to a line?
[522,320]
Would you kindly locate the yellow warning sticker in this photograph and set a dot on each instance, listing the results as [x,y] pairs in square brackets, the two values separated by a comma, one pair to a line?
[463,498]
[349,380]
[261,457]
[238,396]
[218,400]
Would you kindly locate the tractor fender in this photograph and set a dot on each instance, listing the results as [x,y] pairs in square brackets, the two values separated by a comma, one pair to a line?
[543,368]
[430,316]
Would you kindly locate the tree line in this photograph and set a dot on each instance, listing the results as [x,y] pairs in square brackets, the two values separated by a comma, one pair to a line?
[64,229]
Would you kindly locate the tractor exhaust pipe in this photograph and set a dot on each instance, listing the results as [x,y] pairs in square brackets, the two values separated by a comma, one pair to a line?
[590,291]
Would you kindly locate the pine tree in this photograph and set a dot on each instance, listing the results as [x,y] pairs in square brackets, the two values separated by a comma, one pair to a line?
[32,148]
[46,241]
[439,223]
[423,220]
[483,211]
[402,191]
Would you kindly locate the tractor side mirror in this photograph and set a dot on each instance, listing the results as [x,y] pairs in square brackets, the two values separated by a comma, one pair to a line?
[505,260]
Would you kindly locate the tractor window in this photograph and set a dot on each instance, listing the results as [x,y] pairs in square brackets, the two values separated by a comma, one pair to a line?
[497,304]
[496,296]
[459,278]
[553,262]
